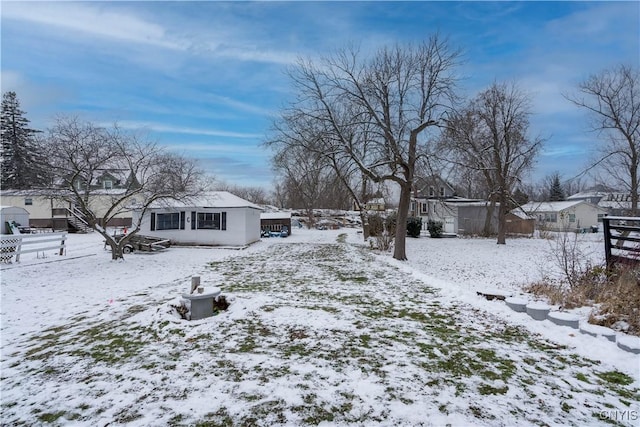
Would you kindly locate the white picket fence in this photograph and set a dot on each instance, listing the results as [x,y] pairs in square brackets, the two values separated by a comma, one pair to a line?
[18,244]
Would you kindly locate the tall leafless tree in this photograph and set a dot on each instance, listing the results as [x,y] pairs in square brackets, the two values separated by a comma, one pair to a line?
[490,136]
[373,113]
[295,134]
[305,175]
[78,152]
[612,99]
[253,194]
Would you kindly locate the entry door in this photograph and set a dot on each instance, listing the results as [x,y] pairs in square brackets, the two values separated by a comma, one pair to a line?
[449,224]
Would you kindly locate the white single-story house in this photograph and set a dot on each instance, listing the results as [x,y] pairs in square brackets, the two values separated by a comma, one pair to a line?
[13,213]
[218,218]
[565,215]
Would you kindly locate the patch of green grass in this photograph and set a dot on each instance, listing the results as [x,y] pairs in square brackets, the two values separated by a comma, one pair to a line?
[566,407]
[220,418]
[582,377]
[615,377]
[479,412]
[485,389]
[365,340]
[136,309]
[128,416]
[50,417]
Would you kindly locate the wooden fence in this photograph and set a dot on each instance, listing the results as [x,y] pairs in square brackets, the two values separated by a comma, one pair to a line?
[17,244]
[621,240]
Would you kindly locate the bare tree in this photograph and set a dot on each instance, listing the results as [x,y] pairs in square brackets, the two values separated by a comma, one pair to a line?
[79,153]
[299,134]
[304,175]
[612,99]
[374,113]
[253,194]
[490,136]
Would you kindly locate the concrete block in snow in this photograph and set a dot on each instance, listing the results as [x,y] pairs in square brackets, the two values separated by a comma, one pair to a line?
[630,344]
[564,319]
[538,311]
[517,304]
[597,330]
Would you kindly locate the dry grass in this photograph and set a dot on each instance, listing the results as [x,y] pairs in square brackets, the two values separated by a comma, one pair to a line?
[615,297]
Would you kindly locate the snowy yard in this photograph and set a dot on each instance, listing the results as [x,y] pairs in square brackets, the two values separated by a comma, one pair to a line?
[320,331]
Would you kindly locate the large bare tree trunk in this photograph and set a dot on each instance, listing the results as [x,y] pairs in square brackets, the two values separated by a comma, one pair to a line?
[488,221]
[502,219]
[399,251]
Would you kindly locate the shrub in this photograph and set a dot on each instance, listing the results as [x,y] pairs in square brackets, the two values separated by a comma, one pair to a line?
[376,225]
[414,226]
[615,296]
[435,228]
[383,230]
[390,224]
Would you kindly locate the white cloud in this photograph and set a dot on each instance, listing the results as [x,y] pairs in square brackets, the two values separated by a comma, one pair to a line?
[239,105]
[91,20]
[124,26]
[603,21]
[210,148]
[159,127]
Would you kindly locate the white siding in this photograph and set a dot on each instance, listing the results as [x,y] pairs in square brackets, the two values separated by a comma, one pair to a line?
[12,213]
[40,207]
[243,227]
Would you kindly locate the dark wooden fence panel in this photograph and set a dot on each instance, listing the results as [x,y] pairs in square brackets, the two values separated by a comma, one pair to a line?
[621,240]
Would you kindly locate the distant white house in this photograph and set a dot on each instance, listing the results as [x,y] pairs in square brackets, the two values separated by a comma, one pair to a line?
[616,203]
[53,208]
[216,219]
[565,215]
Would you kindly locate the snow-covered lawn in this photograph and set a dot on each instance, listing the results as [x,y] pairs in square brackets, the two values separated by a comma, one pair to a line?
[320,331]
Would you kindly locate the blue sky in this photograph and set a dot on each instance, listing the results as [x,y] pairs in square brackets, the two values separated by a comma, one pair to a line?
[206,78]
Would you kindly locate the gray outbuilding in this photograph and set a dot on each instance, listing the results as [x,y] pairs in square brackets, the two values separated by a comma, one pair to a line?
[13,213]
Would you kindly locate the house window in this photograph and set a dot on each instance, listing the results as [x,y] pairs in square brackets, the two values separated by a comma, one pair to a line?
[423,208]
[212,220]
[550,217]
[441,191]
[168,221]
[431,192]
[28,202]
[108,184]
[572,217]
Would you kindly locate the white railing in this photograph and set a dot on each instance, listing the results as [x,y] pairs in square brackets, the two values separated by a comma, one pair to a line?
[14,244]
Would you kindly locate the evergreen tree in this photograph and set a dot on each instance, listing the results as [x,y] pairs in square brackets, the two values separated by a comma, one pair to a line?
[556,193]
[21,168]
[520,197]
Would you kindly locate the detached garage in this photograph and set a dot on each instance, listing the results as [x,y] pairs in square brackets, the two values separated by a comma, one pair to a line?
[274,221]
[13,213]
[215,219]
